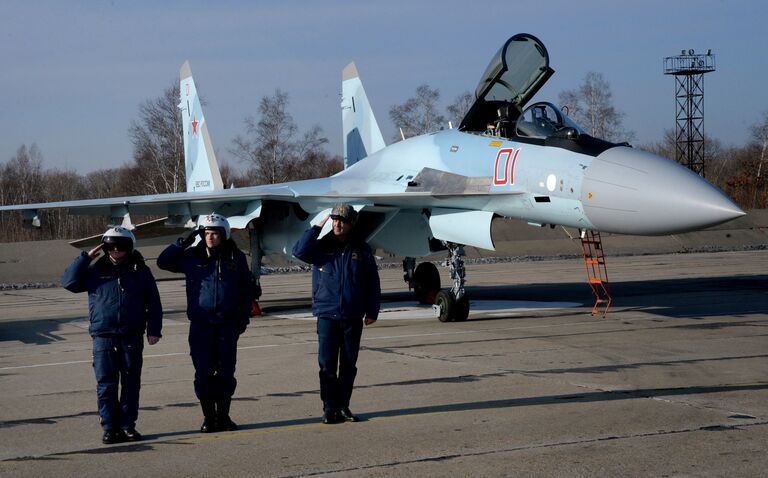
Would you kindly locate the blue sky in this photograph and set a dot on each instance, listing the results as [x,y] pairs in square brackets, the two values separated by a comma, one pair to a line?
[73,73]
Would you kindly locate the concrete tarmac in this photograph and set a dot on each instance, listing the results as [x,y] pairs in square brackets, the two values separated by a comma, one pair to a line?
[674,382]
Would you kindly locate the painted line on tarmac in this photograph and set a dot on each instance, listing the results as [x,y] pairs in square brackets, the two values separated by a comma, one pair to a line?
[375,419]
[220,436]
[406,310]
[311,342]
[246,433]
[287,428]
[46,365]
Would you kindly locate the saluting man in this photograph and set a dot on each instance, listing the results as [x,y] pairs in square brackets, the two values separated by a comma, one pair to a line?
[219,295]
[345,295]
[124,302]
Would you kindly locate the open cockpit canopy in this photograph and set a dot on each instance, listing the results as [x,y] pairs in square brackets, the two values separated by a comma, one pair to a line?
[517,71]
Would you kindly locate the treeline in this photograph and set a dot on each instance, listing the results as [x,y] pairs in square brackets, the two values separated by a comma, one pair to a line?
[23,180]
[272,149]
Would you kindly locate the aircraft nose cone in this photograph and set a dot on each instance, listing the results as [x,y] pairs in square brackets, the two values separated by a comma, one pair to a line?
[628,191]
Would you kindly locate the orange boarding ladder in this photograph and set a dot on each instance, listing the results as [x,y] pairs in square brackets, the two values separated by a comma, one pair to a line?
[597,274]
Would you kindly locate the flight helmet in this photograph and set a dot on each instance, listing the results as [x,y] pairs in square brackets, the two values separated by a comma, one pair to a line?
[119,236]
[215,222]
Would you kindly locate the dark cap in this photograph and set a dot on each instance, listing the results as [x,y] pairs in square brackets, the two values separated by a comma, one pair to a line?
[344,212]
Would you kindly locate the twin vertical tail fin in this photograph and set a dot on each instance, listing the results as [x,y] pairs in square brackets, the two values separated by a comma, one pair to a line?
[199,159]
[362,135]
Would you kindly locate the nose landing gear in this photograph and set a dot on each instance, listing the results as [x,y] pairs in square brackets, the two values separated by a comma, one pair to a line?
[453,305]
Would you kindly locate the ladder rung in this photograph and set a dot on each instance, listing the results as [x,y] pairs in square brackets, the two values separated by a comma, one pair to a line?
[594,259]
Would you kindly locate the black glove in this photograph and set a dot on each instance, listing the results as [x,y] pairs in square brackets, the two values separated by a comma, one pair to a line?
[190,239]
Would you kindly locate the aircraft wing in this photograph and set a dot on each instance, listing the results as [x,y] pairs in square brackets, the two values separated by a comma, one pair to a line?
[453,199]
[429,188]
[150,204]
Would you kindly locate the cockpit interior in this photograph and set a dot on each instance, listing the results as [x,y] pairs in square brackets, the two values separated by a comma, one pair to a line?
[515,74]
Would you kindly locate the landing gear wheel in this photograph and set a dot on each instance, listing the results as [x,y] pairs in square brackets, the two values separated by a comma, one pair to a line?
[448,309]
[426,283]
[462,309]
[444,304]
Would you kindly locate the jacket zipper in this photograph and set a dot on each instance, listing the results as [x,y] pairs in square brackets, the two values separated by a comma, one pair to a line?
[217,273]
[120,299]
[343,275]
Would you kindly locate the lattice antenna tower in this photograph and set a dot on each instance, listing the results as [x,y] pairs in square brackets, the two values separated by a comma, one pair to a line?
[688,69]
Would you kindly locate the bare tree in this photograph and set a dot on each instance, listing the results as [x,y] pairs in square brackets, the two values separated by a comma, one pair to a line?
[102,184]
[23,176]
[317,164]
[271,148]
[158,145]
[760,132]
[458,109]
[230,176]
[665,147]
[62,186]
[760,136]
[719,160]
[21,182]
[312,160]
[591,105]
[419,114]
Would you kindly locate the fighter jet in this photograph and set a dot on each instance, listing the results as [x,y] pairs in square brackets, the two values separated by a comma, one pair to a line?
[441,191]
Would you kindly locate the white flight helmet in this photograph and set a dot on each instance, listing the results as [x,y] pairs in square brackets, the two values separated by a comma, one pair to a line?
[214,221]
[119,236]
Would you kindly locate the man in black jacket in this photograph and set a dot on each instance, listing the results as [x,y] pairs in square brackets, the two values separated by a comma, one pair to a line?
[345,295]
[124,302]
[219,296]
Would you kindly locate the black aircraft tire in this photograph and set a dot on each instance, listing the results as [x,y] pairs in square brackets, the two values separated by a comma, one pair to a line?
[426,282]
[461,309]
[445,301]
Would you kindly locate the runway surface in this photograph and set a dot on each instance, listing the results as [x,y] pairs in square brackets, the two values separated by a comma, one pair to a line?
[674,382]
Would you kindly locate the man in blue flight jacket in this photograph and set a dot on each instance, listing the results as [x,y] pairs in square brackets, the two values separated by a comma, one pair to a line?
[345,295]
[219,296]
[123,302]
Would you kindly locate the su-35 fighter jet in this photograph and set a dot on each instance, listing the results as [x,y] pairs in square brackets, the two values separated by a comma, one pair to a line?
[443,190]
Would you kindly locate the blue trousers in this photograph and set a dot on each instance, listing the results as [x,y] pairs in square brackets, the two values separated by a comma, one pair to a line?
[213,348]
[117,361]
[338,346]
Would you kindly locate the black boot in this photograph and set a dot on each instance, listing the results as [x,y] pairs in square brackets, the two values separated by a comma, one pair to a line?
[331,416]
[112,436]
[222,415]
[131,434]
[347,415]
[209,414]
